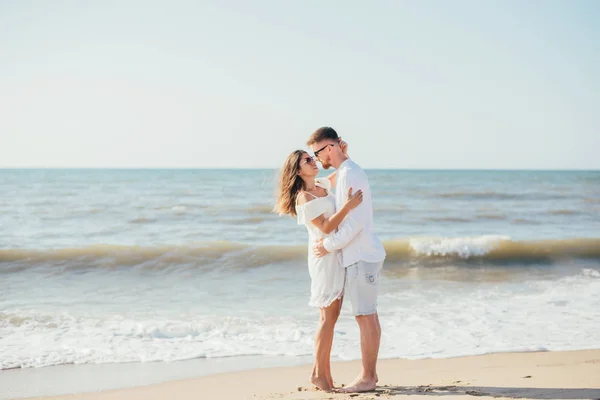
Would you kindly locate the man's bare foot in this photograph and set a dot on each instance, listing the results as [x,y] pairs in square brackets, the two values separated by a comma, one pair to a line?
[360,386]
[321,383]
[354,381]
[359,378]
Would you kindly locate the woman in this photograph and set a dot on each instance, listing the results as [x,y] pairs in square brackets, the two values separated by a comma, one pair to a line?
[310,200]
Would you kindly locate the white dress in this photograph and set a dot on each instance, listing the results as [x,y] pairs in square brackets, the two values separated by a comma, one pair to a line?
[326,273]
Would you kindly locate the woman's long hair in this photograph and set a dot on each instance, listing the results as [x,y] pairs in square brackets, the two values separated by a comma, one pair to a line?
[290,184]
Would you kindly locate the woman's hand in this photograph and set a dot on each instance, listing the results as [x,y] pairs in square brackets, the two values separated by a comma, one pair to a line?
[354,200]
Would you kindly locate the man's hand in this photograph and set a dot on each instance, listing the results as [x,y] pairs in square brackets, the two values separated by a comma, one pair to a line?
[318,250]
[343,146]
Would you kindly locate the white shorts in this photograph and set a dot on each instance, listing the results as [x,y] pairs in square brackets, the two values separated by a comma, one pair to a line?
[362,286]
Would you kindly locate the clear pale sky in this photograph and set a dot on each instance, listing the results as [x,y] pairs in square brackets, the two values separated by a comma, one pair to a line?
[199,84]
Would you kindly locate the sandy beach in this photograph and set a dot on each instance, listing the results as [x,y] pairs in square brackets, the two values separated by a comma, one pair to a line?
[541,375]
[208,200]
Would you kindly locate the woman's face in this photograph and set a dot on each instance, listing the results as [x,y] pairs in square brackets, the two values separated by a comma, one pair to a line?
[308,166]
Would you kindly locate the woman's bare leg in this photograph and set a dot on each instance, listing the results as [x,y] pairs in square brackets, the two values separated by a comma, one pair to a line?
[321,373]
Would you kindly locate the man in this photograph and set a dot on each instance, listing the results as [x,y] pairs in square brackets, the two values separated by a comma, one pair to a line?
[362,251]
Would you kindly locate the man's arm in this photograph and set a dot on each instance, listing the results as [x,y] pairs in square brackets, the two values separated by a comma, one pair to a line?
[347,231]
[352,224]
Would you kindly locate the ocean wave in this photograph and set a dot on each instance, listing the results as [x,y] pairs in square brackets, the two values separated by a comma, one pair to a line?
[525,221]
[433,320]
[424,251]
[255,210]
[245,221]
[501,249]
[142,220]
[214,254]
[260,209]
[564,212]
[391,208]
[82,339]
[463,247]
[181,207]
[492,195]
[447,219]
[491,216]
[587,272]
[478,195]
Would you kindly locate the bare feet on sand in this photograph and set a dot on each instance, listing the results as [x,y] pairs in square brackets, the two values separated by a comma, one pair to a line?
[360,378]
[362,385]
[321,383]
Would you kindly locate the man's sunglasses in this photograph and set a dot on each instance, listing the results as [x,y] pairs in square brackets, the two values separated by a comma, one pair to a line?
[323,148]
[307,160]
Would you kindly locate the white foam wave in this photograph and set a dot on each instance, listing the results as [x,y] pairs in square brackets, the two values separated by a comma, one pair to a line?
[434,319]
[69,339]
[592,273]
[463,247]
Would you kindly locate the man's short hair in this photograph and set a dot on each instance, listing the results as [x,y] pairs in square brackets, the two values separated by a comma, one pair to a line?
[322,134]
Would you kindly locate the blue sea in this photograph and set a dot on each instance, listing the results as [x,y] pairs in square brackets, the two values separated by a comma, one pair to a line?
[121,266]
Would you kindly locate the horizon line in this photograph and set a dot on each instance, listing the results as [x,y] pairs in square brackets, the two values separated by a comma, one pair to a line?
[276,168]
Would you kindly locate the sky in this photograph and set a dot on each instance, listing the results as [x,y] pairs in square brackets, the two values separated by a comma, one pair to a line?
[239,84]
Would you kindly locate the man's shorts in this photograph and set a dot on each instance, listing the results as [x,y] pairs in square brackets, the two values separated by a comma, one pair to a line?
[362,286]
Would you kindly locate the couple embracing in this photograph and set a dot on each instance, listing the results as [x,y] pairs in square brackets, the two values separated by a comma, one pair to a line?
[345,256]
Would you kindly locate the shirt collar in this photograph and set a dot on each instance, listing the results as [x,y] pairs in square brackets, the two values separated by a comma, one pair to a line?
[347,161]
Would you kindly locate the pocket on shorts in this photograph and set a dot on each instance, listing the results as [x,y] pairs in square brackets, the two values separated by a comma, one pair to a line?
[372,278]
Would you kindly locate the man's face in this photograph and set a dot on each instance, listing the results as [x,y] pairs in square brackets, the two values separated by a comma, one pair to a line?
[322,151]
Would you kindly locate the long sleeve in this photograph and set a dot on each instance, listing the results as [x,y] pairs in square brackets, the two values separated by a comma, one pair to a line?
[354,221]
[355,236]
[347,231]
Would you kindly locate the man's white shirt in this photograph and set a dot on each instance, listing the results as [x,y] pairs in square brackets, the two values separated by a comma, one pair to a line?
[355,236]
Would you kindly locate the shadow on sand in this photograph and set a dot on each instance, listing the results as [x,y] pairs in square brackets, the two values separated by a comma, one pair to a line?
[521,392]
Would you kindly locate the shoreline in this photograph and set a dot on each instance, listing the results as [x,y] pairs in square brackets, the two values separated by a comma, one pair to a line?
[537,375]
[68,379]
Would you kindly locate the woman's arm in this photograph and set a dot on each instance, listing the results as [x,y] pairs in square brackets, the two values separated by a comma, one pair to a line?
[328,225]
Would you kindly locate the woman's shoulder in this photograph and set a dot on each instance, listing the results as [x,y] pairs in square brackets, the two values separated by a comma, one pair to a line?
[304,197]
[309,207]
